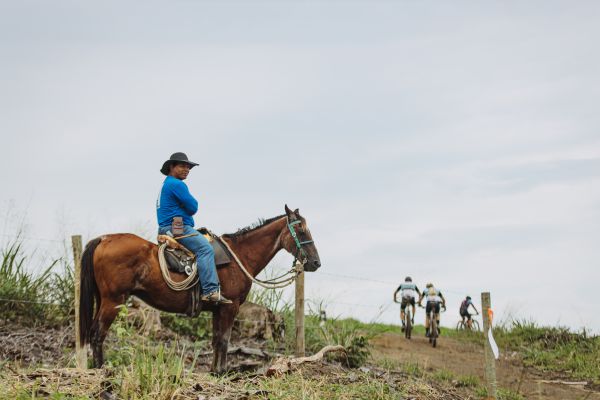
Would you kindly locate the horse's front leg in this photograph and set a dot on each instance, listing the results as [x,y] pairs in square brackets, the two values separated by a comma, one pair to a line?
[223,318]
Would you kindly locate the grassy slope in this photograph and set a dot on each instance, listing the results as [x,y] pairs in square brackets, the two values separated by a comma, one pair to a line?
[145,369]
[141,369]
[557,349]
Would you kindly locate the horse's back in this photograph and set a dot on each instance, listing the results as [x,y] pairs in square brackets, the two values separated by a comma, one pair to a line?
[125,242]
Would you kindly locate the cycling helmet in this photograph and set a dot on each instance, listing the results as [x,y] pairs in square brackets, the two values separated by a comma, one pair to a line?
[408,279]
[468,297]
[429,285]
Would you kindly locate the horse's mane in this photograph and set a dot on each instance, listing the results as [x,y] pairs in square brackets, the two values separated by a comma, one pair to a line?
[250,228]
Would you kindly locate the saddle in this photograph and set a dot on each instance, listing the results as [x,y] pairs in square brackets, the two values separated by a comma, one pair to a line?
[181,260]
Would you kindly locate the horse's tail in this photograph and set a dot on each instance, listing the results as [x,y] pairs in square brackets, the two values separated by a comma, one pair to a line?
[88,293]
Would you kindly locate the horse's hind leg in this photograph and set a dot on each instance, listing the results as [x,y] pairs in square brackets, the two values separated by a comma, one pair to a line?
[222,324]
[104,318]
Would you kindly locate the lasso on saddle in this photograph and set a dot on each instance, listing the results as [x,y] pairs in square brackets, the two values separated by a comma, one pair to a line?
[173,256]
[180,259]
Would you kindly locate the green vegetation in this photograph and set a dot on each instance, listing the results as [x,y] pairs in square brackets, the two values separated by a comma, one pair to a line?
[141,367]
[556,349]
[467,381]
[32,298]
[195,328]
[360,386]
[503,394]
[443,375]
[350,333]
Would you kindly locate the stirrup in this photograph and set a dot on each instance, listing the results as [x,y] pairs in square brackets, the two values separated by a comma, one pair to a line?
[216,297]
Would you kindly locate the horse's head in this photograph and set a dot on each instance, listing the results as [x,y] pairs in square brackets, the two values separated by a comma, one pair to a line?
[298,241]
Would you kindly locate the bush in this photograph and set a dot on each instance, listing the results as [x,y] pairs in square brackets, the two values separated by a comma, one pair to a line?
[358,351]
[350,333]
[197,328]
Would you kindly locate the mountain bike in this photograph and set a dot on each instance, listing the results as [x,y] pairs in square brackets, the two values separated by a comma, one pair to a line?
[434,330]
[464,326]
[407,320]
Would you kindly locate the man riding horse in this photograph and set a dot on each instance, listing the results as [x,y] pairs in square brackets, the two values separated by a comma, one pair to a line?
[116,266]
[175,208]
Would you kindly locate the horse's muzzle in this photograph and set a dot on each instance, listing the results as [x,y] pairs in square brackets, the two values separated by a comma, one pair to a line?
[312,266]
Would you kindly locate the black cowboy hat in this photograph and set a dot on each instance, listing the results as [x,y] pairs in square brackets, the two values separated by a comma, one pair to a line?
[176,158]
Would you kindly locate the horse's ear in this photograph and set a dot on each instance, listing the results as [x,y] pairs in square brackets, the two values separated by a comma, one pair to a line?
[287,210]
[297,211]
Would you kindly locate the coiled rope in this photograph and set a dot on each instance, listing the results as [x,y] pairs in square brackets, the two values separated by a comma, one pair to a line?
[185,284]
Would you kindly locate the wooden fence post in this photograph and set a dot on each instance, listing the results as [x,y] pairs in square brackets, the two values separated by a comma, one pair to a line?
[80,352]
[490,362]
[300,347]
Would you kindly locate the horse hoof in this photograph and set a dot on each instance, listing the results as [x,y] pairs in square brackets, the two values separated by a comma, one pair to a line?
[219,374]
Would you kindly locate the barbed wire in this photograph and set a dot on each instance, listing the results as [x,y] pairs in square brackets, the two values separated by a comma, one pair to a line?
[372,280]
[383,306]
[58,304]
[17,236]
[344,276]
[352,277]
[30,301]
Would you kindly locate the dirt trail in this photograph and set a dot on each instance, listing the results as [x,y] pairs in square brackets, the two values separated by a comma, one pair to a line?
[464,358]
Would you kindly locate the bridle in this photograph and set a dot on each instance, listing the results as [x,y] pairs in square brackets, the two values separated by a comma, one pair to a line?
[299,249]
[288,277]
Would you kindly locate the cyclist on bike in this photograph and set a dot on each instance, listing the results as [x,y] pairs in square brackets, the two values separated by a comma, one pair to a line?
[434,299]
[464,311]
[408,291]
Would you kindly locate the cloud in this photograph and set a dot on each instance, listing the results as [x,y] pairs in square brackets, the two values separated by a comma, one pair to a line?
[457,144]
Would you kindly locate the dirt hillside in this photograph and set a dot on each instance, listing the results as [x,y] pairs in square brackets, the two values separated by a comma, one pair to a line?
[463,358]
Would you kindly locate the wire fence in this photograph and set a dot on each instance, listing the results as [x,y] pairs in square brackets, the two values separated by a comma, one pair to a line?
[381,307]
[30,302]
[37,239]
[343,276]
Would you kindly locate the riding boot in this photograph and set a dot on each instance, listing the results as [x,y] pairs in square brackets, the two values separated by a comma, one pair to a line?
[216,297]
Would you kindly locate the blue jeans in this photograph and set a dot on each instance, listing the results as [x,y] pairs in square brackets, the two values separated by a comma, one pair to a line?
[205,257]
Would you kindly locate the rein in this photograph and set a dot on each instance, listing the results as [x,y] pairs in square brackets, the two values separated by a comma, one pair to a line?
[297,265]
[271,283]
[275,283]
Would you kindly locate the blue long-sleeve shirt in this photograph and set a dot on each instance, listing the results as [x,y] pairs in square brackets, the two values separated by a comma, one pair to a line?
[175,200]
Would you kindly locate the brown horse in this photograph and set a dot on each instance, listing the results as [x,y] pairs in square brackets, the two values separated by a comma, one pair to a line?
[119,265]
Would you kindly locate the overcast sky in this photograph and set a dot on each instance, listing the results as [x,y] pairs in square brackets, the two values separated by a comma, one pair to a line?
[456,142]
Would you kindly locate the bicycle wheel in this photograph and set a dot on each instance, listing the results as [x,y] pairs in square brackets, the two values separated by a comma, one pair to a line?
[460,326]
[408,324]
[475,326]
[433,330]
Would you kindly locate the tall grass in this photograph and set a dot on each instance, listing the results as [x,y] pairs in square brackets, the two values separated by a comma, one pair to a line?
[556,349]
[143,369]
[155,372]
[31,297]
